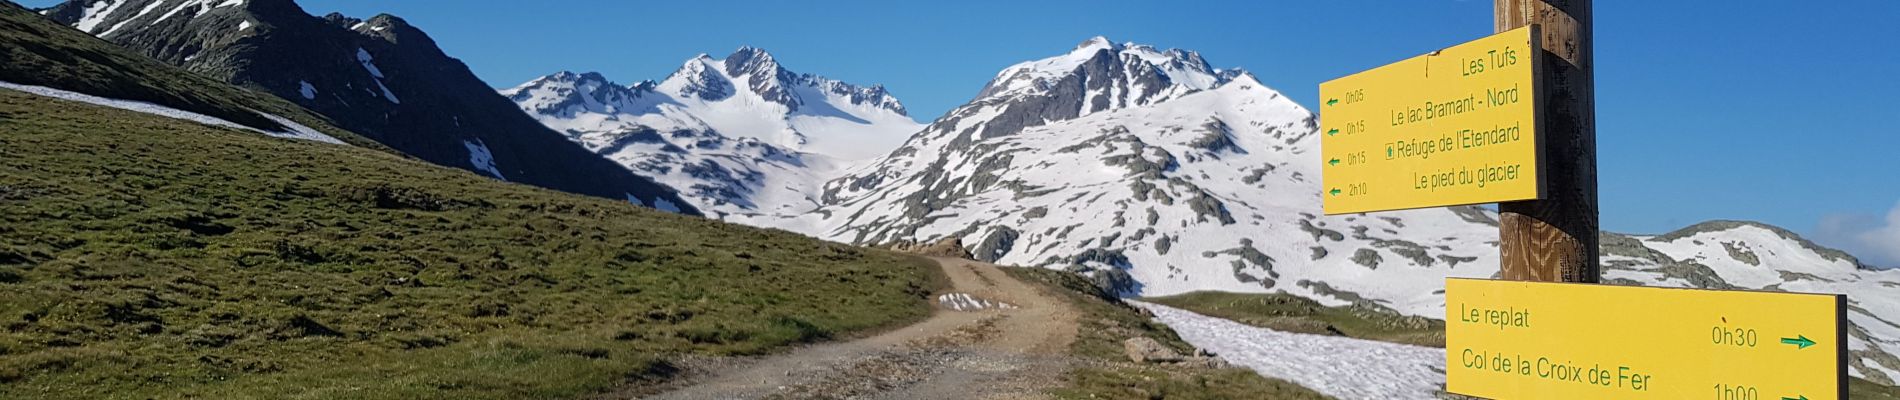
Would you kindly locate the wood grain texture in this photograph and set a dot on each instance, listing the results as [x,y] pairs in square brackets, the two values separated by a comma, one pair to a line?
[1555,239]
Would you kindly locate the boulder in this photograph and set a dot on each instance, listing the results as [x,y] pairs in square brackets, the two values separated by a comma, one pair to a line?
[948,247]
[1146,350]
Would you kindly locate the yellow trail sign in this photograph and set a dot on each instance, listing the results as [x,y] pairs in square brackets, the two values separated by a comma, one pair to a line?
[1528,340]
[1457,126]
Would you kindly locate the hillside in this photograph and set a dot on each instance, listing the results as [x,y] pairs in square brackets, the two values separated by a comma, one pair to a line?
[40,53]
[382,78]
[142,256]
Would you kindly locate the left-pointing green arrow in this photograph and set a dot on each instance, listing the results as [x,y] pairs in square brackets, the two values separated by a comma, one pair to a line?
[1334,162]
[1332,102]
[1332,132]
[1335,192]
[1800,342]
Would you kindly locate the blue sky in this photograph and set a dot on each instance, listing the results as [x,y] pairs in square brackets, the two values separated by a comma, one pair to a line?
[1773,111]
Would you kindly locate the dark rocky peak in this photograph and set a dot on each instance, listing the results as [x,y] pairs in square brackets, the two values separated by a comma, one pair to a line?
[764,76]
[751,60]
[700,79]
[342,21]
[566,89]
[645,86]
[274,11]
[65,13]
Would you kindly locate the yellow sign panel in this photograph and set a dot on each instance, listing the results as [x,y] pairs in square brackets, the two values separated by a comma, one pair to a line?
[1525,340]
[1457,126]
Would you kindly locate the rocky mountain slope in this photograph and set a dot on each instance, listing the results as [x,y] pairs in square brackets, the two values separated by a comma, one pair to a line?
[381,78]
[1158,174]
[51,59]
[740,135]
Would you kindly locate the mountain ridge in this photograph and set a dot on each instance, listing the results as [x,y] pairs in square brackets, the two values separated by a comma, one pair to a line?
[380,77]
[740,136]
[1157,175]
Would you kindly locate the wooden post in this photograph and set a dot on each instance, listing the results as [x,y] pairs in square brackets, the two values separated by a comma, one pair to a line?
[1555,239]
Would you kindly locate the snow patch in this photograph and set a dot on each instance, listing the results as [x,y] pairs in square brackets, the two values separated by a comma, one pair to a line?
[95,13]
[309,92]
[481,158]
[386,94]
[1378,370]
[147,10]
[363,57]
[369,64]
[203,6]
[292,130]
[667,206]
[244,25]
[966,302]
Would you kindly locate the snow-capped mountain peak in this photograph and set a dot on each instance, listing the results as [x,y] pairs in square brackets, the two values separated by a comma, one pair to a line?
[1157,174]
[1095,44]
[1100,64]
[741,135]
[757,70]
[700,78]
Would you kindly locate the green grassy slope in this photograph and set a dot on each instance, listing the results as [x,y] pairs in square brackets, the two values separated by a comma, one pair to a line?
[1105,322]
[1862,389]
[145,257]
[36,51]
[1290,313]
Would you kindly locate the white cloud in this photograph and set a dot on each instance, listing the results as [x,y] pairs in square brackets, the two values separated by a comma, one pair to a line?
[1874,239]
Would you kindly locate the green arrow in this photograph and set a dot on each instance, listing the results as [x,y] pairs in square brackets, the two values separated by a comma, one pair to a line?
[1332,102]
[1332,132]
[1335,192]
[1800,342]
[1795,398]
[1334,162]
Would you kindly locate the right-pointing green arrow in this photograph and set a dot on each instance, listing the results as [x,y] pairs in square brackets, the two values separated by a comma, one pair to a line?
[1800,342]
[1795,398]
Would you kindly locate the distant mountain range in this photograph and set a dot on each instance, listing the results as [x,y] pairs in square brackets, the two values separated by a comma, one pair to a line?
[1147,169]
[739,136]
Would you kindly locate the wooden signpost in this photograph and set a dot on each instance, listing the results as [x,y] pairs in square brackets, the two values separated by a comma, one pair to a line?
[1511,119]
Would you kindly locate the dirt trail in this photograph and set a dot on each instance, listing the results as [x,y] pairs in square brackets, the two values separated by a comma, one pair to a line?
[1010,351]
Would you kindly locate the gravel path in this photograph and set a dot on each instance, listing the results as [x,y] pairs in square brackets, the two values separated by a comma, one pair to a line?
[994,352]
